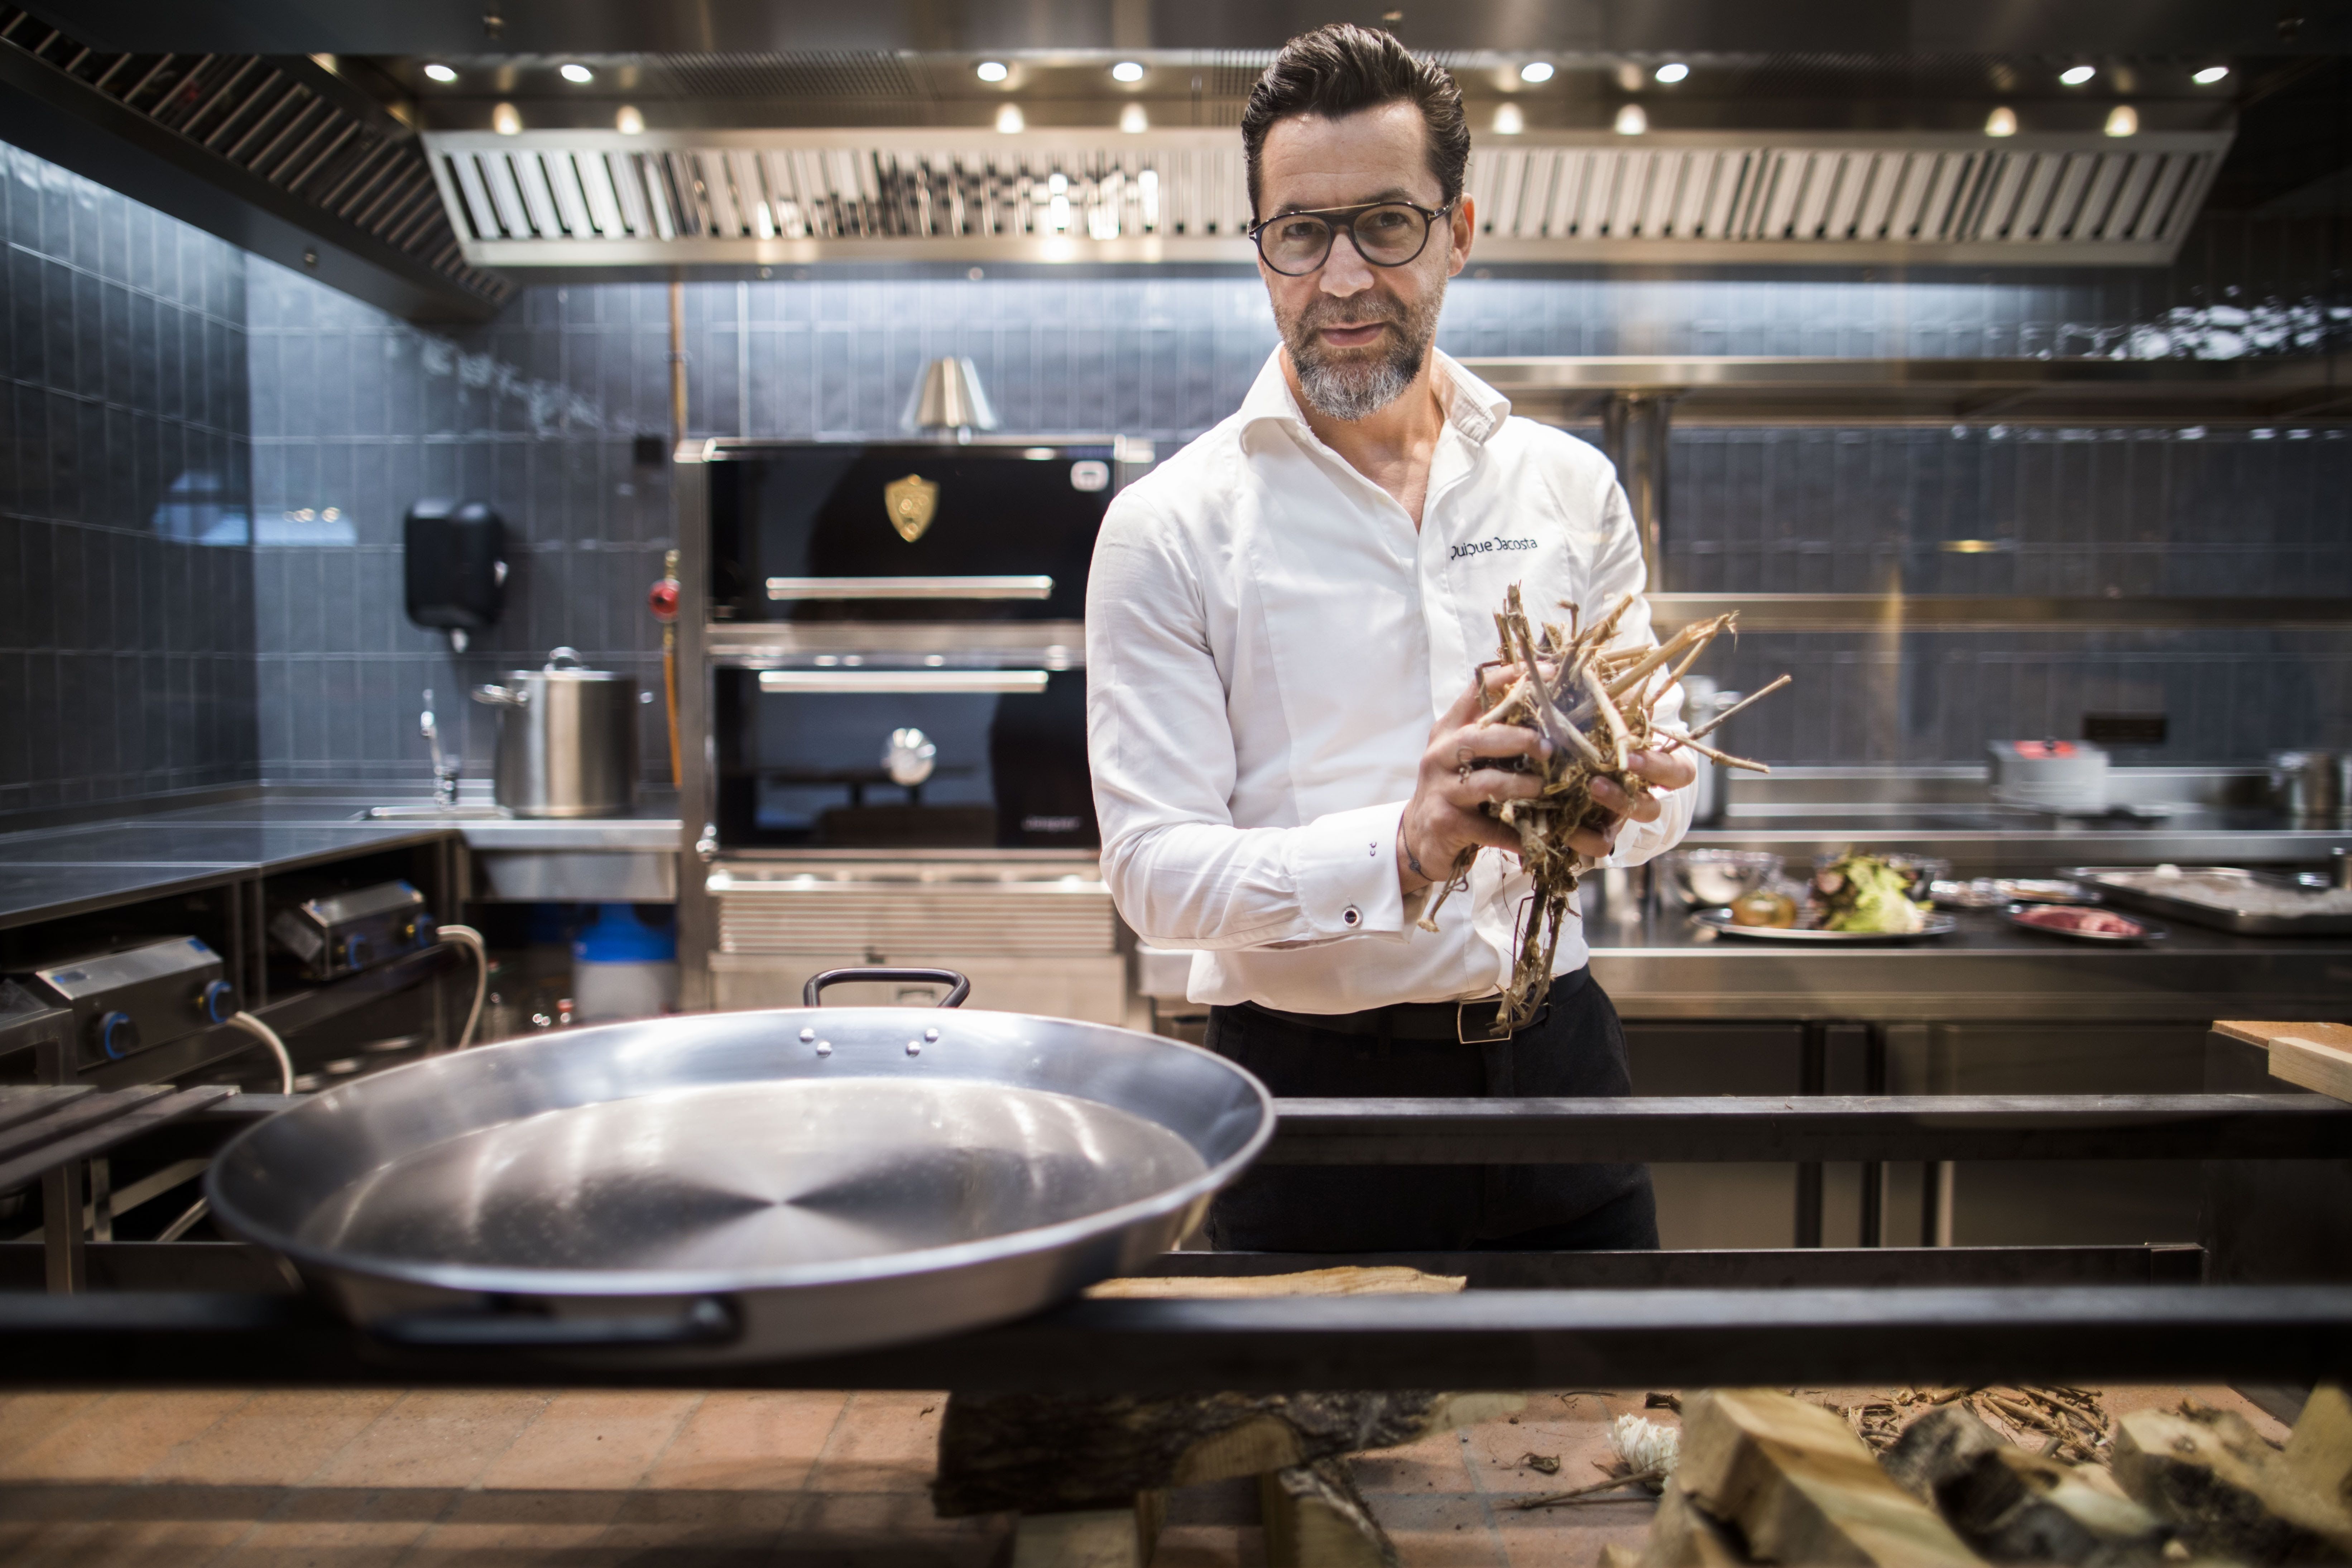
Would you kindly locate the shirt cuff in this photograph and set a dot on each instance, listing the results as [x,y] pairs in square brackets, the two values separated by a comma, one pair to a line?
[1345,870]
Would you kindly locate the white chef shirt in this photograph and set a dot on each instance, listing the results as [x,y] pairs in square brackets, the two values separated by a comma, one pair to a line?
[1269,640]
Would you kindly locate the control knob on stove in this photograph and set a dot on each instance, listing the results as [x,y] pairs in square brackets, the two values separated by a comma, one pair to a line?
[216,1002]
[116,1032]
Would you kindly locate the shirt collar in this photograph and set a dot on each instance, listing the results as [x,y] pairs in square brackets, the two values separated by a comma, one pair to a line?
[1474,408]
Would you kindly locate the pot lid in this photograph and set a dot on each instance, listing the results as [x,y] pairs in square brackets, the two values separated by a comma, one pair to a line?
[558,668]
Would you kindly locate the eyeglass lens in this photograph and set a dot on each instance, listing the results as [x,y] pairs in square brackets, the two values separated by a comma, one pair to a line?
[1384,235]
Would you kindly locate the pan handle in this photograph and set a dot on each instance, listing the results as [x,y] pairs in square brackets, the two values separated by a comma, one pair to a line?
[959,987]
[706,1321]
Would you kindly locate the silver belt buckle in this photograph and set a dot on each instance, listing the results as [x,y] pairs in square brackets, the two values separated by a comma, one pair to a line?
[1496,1029]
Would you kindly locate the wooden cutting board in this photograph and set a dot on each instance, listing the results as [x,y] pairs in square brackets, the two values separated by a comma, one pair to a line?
[2311,1055]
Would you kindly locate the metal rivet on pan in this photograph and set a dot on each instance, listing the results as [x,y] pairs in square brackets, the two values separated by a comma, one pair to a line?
[825,1047]
[914,1047]
[807,1035]
[931,1034]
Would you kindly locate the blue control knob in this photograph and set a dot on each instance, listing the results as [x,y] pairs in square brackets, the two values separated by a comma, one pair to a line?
[118,1034]
[216,1001]
[355,951]
[424,930]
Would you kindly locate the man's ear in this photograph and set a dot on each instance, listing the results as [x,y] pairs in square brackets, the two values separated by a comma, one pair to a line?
[1464,225]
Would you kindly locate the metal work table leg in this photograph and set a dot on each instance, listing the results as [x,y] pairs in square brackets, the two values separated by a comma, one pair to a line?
[67,1264]
[1874,1173]
[1812,1079]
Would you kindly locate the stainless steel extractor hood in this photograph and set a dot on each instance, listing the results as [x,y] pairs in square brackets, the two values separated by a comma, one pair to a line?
[746,198]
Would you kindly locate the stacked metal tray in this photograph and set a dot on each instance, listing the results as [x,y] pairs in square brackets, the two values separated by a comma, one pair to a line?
[2249,903]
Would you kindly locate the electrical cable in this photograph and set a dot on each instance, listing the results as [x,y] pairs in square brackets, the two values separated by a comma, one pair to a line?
[269,1037]
[468,937]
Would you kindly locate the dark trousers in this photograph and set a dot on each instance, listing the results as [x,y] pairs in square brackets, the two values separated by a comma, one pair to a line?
[1576,1049]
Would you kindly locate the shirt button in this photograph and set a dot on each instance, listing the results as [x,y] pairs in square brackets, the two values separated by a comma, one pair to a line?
[1352,915]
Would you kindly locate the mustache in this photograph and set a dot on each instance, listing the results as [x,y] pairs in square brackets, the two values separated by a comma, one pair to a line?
[1358,312]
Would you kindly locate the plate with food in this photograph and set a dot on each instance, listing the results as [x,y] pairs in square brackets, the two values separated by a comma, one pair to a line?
[2081,923]
[1993,892]
[1852,897]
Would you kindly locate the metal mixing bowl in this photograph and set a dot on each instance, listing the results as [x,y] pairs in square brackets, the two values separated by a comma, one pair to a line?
[1705,879]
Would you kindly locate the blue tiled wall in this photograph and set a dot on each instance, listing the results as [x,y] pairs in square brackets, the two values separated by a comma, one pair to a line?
[126,582]
[279,647]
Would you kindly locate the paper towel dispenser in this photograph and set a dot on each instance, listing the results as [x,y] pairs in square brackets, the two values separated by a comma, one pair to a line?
[456,565]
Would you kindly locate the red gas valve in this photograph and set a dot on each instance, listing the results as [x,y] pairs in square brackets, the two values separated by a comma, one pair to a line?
[663,599]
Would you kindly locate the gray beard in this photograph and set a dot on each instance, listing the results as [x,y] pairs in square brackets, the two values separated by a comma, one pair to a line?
[1354,388]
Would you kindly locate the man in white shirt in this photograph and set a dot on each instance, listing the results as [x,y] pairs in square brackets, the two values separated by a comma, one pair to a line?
[1276,616]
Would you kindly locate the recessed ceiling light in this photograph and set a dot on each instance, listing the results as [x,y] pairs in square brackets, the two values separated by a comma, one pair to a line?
[2123,121]
[505,120]
[628,121]
[1536,71]
[1509,120]
[2210,75]
[1127,70]
[1630,121]
[577,72]
[439,72]
[1672,71]
[990,71]
[2002,122]
[1009,120]
[1133,120]
[2075,75]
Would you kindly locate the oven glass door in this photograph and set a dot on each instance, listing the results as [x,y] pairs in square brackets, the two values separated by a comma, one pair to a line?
[905,532]
[839,757]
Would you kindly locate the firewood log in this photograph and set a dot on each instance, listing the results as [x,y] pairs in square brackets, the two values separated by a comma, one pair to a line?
[2211,1477]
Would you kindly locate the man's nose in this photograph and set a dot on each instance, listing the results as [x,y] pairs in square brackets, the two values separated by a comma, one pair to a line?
[1346,273]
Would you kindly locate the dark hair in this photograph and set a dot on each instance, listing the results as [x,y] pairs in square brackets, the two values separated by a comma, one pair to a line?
[1341,68]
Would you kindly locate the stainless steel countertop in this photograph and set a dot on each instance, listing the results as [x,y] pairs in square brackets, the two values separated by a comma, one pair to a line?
[1986,840]
[49,873]
[1661,966]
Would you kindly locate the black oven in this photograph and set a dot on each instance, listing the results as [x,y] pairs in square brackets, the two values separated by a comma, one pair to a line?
[904,751]
[891,533]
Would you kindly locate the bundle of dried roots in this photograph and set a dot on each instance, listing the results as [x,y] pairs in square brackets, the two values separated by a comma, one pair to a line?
[1597,706]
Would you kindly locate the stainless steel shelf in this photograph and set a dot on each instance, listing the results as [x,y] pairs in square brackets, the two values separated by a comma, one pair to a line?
[1989,612]
[1738,390]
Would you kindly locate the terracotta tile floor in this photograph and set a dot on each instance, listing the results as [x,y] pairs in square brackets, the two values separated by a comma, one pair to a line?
[356,1480]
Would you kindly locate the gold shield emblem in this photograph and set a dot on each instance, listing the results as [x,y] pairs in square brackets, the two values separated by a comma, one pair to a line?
[910,502]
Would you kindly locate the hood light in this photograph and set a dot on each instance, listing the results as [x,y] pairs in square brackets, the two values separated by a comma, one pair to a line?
[628,121]
[2205,78]
[990,71]
[577,73]
[1535,73]
[1672,71]
[2075,75]
[1009,120]
[505,120]
[2001,122]
[1508,119]
[438,72]
[1127,70]
[2123,121]
[1133,120]
[1631,120]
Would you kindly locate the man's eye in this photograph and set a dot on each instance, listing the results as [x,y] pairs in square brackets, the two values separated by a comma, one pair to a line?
[1386,221]
[1302,231]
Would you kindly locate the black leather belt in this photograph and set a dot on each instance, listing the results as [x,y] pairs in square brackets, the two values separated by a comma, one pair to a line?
[1476,1022]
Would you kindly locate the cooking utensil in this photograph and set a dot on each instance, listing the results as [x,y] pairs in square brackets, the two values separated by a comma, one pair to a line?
[2144,932]
[1991,892]
[2311,787]
[745,1185]
[2225,898]
[1721,920]
[567,738]
[1703,877]
[2068,777]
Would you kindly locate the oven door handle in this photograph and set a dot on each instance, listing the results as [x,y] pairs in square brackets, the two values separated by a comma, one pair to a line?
[910,587]
[1010,682]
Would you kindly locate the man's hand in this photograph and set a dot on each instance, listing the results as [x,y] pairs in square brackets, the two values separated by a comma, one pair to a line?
[1442,818]
[1664,770]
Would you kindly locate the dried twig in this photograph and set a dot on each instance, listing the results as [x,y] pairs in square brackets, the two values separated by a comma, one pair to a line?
[1590,1493]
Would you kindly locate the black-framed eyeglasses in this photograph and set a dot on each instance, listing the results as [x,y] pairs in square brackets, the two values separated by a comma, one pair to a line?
[1385,234]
